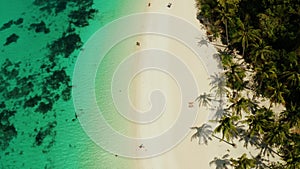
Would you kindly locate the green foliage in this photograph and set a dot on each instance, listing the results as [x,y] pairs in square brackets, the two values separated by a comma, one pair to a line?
[227,126]
[243,162]
[266,34]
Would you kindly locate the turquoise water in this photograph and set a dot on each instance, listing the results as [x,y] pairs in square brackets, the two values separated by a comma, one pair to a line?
[39,43]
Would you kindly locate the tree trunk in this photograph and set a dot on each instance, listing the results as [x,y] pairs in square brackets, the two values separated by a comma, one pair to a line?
[226,29]
[232,144]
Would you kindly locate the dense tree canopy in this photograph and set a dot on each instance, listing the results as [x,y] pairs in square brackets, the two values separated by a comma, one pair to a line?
[262,58]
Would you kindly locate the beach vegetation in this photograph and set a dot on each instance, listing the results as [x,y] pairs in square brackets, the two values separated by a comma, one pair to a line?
[262,81]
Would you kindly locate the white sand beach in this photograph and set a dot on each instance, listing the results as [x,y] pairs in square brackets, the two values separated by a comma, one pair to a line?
[186,154]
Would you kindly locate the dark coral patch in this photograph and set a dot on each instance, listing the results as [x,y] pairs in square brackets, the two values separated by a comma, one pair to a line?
[6,25]
[39,27]
[32,101]
[81,16]
[65,45]
[12,38]
[66,93]
[7,130]
[44,132]
[19,21]
[44,107]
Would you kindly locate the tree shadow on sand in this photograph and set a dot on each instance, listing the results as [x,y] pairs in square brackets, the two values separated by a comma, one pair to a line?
[221,163]
[202,42]
[220,112]
[218,86]
[205,133]
[204,99]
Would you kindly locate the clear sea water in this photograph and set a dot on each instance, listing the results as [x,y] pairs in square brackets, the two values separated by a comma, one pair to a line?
[38,124]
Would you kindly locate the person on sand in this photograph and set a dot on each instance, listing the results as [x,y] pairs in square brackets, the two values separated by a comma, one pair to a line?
[191,104]
[149,4]
[169,5]
[138,43]
[141,147]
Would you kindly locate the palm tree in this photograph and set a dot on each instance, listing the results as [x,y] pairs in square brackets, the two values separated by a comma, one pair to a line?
[260,52]
[240,105]
[260,121]
[224,17]
[244,36]
[220,139]
[291,116]
[276,92]
[227,127]
[243,162]
[203,133]
[265,149]
[222,3]
[235,78]
[226,58]
[204,99]
[259,162]
[276,135]
[225,11]
[264,73]
[292,78]
[232,3]
[268,25]
[218,84]
[249,139]
[291,151]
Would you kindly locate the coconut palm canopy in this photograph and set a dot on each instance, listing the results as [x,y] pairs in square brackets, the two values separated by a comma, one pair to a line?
[261,62]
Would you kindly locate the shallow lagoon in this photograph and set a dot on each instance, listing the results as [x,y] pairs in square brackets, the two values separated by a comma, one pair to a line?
[40,41]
